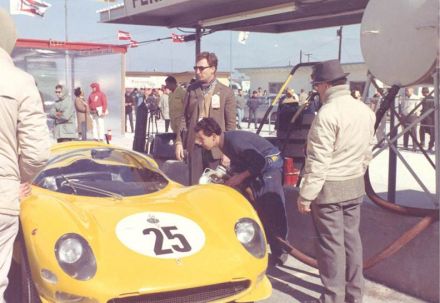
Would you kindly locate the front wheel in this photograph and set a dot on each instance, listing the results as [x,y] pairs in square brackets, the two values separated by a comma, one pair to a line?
[28,292]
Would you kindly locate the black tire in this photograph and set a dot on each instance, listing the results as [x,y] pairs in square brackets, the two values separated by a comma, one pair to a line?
[29,293]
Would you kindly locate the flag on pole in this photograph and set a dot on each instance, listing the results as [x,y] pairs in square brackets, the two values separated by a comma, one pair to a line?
[242,37]
[177,38]
[123,35]
[134,43]
[28,7]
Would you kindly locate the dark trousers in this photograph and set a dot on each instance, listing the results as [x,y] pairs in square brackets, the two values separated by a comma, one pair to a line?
[129,114]
[339,250]
[198,160]
[83,130]
[252,116]
[427,129]
[407,120]
[167,124]
[269,204]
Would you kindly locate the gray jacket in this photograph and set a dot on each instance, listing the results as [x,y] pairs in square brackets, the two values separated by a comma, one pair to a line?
[24,136]
[64,123]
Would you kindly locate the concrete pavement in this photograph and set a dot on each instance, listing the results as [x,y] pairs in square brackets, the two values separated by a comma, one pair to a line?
[296,282]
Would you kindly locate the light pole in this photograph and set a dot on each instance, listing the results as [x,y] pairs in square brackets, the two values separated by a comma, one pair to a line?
[339,34]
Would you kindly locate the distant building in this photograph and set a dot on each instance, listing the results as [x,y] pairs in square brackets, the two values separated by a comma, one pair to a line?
[157,79]
[272,78]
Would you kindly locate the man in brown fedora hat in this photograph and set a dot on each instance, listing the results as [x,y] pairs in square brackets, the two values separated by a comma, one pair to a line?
[338,151]
[24,142]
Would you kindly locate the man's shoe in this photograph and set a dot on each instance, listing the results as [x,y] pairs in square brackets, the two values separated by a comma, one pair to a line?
[278,260]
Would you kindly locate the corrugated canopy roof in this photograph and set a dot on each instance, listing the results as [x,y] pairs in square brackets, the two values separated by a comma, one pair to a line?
[271,16]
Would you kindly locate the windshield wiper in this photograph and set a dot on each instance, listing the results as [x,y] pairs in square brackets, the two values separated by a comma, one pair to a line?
[74,185]
[69,183]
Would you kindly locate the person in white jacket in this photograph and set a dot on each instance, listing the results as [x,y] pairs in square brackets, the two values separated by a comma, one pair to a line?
[410,113]
[24,142]
[338,152]
[165,107]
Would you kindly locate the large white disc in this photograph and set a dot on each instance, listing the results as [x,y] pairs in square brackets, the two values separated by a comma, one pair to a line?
[399,40]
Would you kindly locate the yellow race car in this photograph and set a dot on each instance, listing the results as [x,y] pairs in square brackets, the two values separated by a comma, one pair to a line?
[104,224]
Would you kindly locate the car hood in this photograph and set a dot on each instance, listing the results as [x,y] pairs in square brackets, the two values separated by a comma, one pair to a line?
[170,239]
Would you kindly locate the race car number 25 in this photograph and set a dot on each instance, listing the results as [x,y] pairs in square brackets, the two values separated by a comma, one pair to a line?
[168,232]
[160,235]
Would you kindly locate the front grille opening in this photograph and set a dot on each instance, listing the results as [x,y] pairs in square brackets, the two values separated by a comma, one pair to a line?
[193,295]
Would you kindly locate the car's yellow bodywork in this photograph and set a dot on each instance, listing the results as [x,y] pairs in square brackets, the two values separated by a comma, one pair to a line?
[123,272]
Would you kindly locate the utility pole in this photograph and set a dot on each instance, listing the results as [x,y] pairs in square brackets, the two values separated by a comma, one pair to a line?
[301,56]
[308,56]
[198,36]
[339,34]
[230,59]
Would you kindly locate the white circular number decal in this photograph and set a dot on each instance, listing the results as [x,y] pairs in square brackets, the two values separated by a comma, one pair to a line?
[160,235]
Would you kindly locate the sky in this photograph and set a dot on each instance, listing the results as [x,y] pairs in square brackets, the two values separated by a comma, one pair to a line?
[260,50]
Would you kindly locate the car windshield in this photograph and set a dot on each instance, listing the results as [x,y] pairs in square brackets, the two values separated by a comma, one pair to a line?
[101,172]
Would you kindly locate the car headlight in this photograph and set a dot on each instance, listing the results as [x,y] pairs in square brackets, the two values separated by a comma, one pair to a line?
[250,235]
[75,256]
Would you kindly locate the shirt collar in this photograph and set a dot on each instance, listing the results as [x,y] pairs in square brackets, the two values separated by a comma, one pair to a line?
[207,86]
[336,91]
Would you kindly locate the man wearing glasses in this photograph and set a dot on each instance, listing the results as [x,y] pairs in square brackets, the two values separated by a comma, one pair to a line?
[338,152]
[64,115]
[206,97]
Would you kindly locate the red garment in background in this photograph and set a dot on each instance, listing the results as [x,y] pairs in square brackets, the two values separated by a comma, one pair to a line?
[97,98]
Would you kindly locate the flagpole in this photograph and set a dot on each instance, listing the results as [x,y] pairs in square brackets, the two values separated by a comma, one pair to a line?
[66,55]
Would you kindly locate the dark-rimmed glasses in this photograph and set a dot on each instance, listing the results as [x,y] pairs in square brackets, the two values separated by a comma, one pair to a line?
[58,92]
[201,68]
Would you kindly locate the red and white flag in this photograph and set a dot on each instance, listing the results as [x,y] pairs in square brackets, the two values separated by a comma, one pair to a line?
[124,35]
[28,7]
[178,38]
[134,43]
